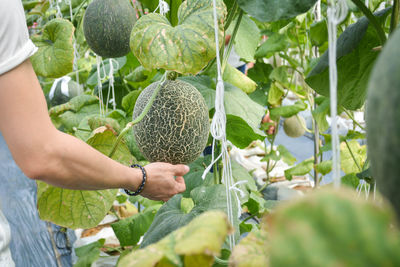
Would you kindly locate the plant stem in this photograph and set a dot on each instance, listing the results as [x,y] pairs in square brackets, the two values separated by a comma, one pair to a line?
[231,15]
[395,15]
[140,117]
[352,155]
[372,19]
[230,44]
[348,113]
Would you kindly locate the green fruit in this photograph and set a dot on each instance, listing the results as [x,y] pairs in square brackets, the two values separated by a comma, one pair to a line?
[60,97]
[107,26]
[175,129]
[294,126]
[383,120]
[333,228]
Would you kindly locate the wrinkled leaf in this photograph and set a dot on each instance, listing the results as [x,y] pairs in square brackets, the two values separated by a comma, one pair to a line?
[273,10]
[195,244]
[185,48]
[55,55]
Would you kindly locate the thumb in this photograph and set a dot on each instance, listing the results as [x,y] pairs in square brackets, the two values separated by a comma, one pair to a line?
[180,183]
[180,169]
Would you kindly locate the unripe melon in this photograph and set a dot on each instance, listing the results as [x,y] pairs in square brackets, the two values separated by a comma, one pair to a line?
[383,120]
[107,25]
[176,128]
[294,126]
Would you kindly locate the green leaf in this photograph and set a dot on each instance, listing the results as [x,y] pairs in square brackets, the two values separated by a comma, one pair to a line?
[239,173]
[195,244]
[255,204]
[239,132]
[240,104]
[193,178]
[350,180]
[251,251]
[275,95]
[324,167]
[320,113]
[288,111]
[185,48]
[89,253]
[78,208]
[247,38]
[129,230]
[349,164]
[272,10]
[275,43]
[129,101]
[286,156]
[55,55]
[260,72]
[319,33]
[170,216]
[302,168]
[355,57]
[279,74]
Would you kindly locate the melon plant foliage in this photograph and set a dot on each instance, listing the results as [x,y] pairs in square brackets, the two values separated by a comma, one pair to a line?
[287,76]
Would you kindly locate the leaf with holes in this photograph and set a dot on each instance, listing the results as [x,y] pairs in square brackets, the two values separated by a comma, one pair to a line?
[78,208]
[55,56]
[185,48]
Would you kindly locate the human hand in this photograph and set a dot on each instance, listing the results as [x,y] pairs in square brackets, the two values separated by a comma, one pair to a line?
[271,125]
[161,183]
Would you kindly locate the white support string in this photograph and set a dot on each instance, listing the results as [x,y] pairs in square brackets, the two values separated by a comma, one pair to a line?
[218,131]
[111,84]
[76,54]
[100,66]
[337,11]
[163,6]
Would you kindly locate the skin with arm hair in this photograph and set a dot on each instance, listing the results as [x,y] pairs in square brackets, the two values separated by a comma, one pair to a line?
[44,153]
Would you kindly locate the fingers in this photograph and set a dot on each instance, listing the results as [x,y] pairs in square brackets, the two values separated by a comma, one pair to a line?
[180,169]
[180,184]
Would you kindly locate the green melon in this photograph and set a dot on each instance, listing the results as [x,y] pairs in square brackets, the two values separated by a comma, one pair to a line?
[175,129]
[107,25]
[60,97]
[294,126]
[383,120]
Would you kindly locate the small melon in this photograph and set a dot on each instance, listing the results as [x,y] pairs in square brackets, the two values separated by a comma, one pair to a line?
[294,126]
[107,25]
[176,127]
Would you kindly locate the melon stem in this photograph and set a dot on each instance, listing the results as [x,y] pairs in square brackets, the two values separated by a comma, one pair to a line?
[140,117]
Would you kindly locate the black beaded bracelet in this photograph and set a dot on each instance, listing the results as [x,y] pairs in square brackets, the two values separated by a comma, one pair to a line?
[141,186]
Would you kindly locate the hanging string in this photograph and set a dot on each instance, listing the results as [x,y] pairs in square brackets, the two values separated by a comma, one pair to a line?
[76,54]
[100,67]
[163,6]
[337,11]
[111,84]
[218,131]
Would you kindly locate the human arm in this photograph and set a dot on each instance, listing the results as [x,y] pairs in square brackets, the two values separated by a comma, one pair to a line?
[44,153]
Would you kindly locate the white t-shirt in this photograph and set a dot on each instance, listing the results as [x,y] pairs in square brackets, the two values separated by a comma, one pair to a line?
[15,45]
[15,48]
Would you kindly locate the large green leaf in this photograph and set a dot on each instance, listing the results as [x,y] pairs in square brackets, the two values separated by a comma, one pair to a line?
[352,156]
[273,10]
[355,56]
[76,208]
[247,39]
[193,245]
[193,178]
[55,56]
[89,253]
[185,48]
[275,43]
[170,216]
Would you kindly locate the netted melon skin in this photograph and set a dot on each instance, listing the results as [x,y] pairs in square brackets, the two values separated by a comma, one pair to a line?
[176,128]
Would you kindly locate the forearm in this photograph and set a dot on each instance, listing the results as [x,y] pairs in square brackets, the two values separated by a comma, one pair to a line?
[70,163]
